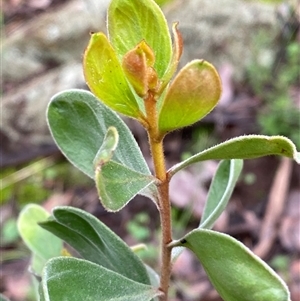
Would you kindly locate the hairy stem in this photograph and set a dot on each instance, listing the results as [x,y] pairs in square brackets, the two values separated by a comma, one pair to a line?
[156,146]
[165,218]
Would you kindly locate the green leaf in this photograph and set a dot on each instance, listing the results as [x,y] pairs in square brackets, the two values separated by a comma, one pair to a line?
[41,243]
[109,145]
[95,242]
[131,21]
[79,121]
[117,184]
[244,147]
[220,191]
[105,77]
[194,92]
[72,279]
[236,273]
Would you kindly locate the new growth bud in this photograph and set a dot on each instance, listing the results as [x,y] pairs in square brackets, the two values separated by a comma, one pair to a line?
[138,67]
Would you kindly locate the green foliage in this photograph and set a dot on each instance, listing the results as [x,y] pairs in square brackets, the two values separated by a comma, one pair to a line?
[244,147]
[106,78]
[87,127]
[130,72]
[129,23]
[234,270]
[73,279]
[41,243]
[95,242]
[162,2]
[193,94]
[220,191]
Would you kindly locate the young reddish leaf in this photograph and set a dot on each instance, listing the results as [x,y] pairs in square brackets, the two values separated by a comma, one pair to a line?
[138,67]
[106,79]
[177,52]
[194,92]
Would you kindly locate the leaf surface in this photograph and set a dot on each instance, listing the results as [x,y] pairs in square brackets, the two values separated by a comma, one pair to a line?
[220,191]
[117,184]
[236,273]
[105,77]
[72,279]
[131,21]
[41,243]
[194,92]
[244,147]
[79,121]
[96,242]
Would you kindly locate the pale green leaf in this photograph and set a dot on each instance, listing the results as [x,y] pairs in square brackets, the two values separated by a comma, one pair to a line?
[220,191]
[236,273]
[79,121]
[244,147]
[194,92]
[41,243]
[72,279]
[109,145]
[105,77]
[118,184]
[131,21]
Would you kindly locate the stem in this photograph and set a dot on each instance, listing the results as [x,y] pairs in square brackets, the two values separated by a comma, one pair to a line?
[166,227]
[156,146]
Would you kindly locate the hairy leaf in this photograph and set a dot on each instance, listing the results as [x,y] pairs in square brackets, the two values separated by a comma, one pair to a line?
[79,121]
[220,191]
[72,279]
[109,145]
[236,273]
[244,147]
[95,242]
[117,184]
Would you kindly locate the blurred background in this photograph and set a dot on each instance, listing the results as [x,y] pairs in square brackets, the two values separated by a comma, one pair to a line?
[255,45]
